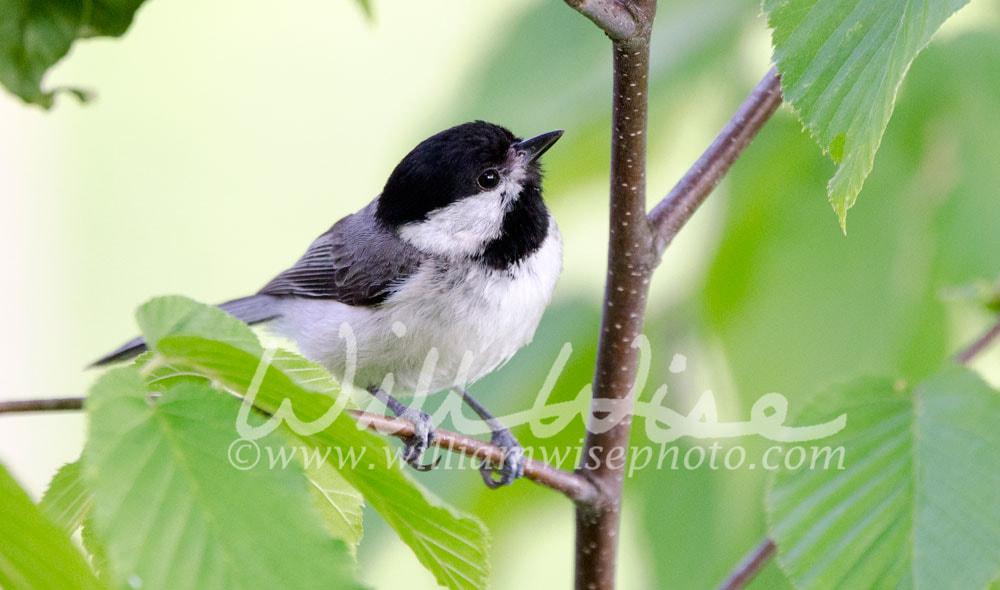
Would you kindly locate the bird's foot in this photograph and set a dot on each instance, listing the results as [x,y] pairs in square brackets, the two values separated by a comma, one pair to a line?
[416,445]
[512,465]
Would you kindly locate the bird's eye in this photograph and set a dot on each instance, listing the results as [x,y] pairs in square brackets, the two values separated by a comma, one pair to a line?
[489,179]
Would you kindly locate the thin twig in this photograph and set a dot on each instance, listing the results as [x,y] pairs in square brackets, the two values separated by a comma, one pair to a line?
[670,214]
[969,352]
[575,487]
[751,564]
[41,405]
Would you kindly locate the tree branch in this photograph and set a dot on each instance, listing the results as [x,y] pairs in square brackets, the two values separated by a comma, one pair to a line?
[611,16]
[41,405]
[970,352]
[573,486]
[670,214]
[634,248]
[751,564]
[631,259]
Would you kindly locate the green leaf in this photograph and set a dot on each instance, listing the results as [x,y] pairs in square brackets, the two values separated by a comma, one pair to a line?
[95,549]
[35,35]
[453,546]
[67,501]
[180,315]
[339,503]
[35,554]
[917,504]
[173,509]
[841,65]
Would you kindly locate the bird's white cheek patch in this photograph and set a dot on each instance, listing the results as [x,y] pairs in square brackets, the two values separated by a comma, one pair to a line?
[462,227]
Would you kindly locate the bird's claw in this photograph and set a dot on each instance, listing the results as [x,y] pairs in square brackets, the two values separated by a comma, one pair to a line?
[512,465]
[416,445]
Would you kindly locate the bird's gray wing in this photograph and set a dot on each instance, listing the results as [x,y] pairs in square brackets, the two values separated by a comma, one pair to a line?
[358,261]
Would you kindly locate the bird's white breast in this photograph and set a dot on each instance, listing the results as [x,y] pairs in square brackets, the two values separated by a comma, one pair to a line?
[450,323]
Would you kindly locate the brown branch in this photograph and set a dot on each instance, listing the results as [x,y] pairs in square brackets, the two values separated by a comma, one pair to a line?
[969,352]
[751,564]
[670,214]
[611,16]
[573,486]
[41,405]
[631,259]
[636,243]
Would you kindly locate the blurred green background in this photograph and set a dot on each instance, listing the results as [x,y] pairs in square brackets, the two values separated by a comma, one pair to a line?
[225,136]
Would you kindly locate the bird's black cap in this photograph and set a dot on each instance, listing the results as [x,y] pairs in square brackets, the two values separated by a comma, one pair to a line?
[445,167]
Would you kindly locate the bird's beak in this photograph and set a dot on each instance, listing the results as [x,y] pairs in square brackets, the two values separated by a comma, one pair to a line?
[533,148]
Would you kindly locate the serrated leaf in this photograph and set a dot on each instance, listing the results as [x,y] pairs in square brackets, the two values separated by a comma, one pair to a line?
[35,35]
[67,500]
[339,503]
[917,504]
[176,314]
[35,554]
[452,545]
[68,503]
[841,65]
[94,547]
[174,511]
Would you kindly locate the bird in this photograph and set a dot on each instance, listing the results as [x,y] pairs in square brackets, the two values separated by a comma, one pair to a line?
[434,284]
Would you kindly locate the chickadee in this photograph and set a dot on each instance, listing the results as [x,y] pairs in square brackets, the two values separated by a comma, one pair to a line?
[440,279]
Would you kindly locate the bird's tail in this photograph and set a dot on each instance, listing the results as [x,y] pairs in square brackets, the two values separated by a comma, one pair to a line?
[254,309]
